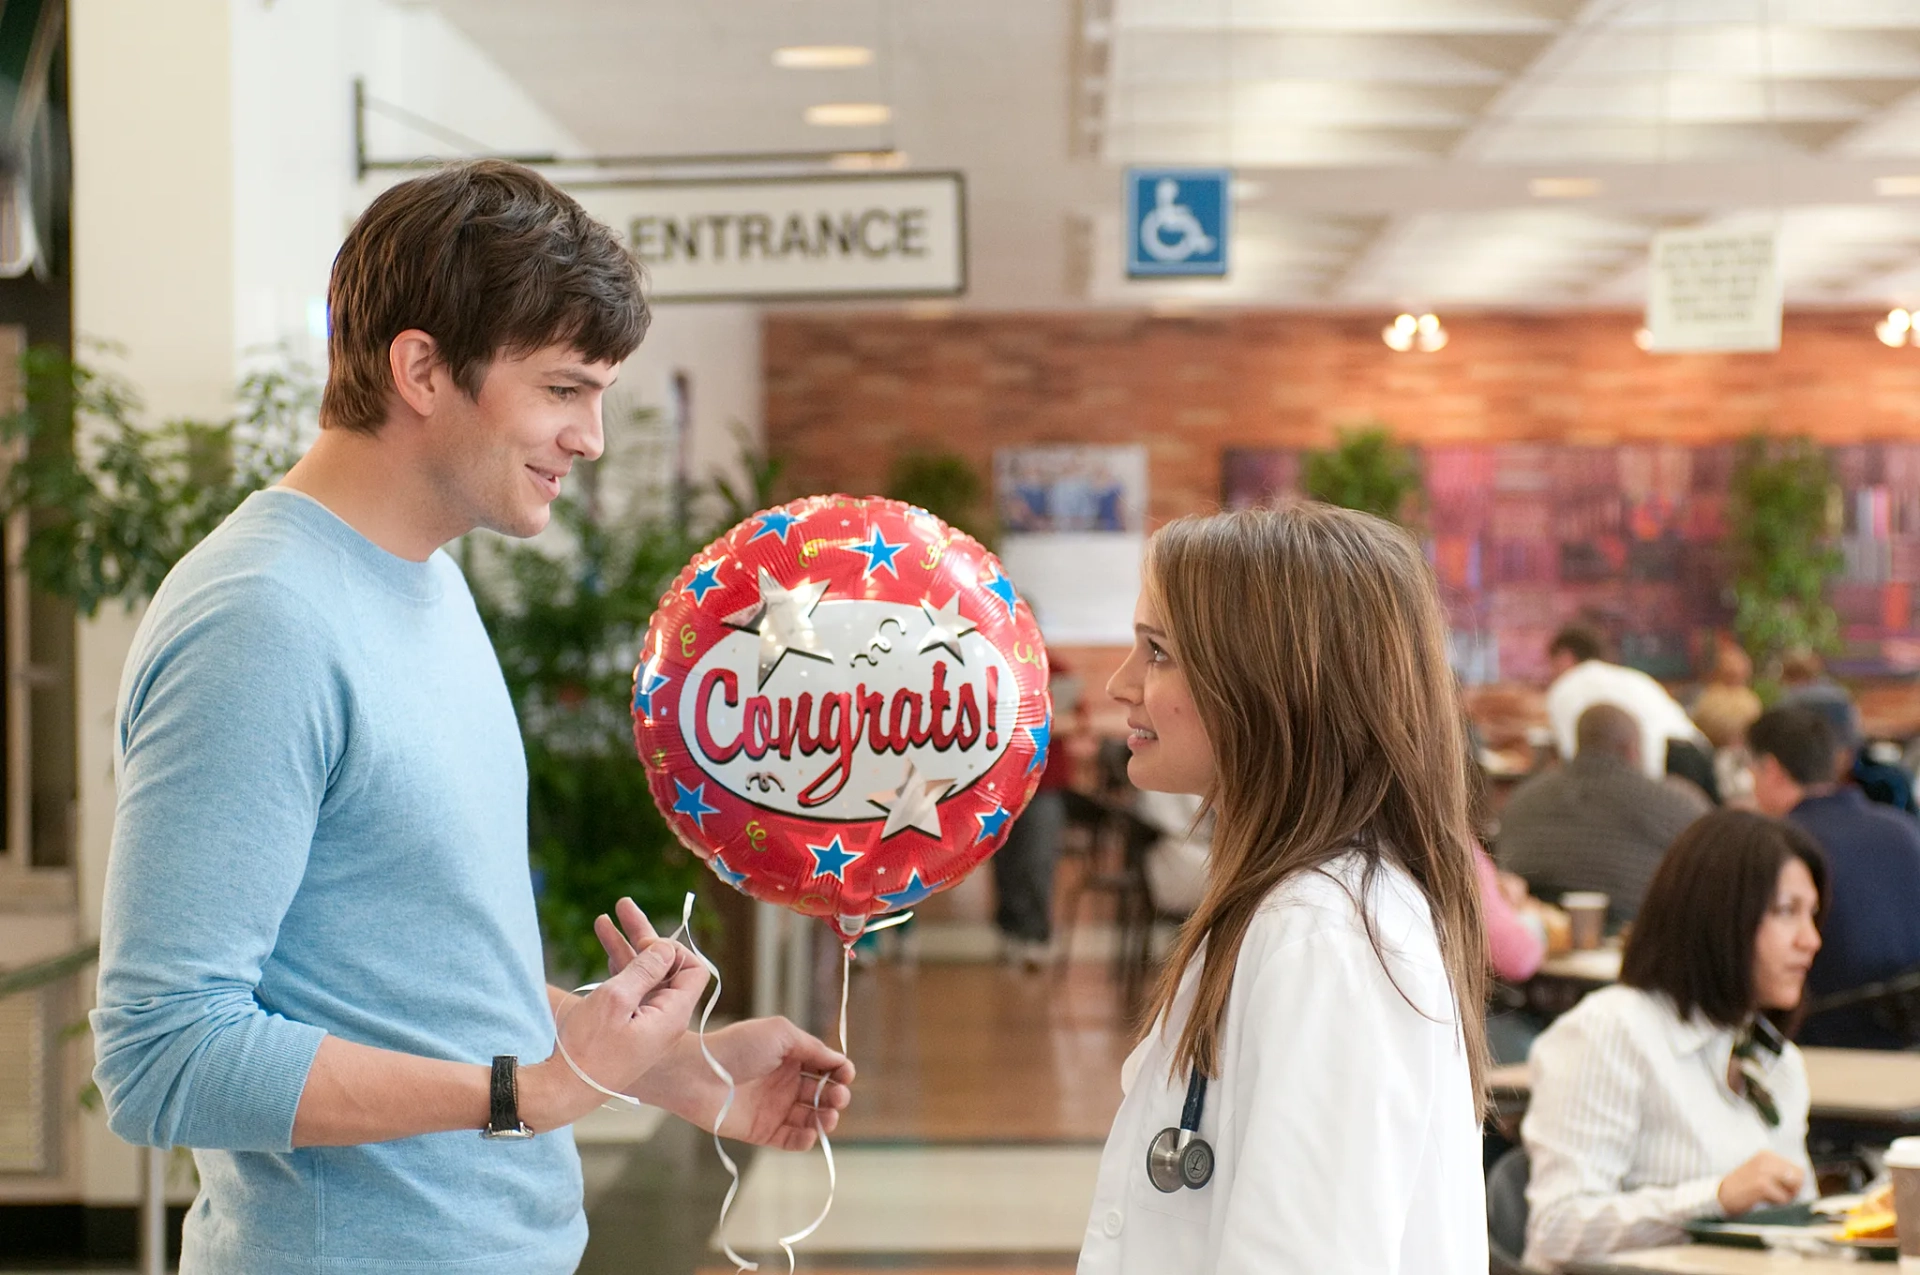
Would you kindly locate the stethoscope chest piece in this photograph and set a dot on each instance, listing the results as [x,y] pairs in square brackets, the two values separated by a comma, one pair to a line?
[1178,1158]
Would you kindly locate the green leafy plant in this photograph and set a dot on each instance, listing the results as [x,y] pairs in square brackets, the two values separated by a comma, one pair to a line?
[567,616]
[115,503]
[566,624]
[947,486]
[1780,535]
[1365,470]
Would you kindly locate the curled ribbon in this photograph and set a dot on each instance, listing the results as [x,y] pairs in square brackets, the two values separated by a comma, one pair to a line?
[786,1242]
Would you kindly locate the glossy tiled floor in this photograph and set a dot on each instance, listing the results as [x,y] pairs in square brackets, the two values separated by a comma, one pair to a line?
[984,1094]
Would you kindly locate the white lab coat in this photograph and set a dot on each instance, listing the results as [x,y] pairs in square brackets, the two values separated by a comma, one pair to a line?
[1343,1122]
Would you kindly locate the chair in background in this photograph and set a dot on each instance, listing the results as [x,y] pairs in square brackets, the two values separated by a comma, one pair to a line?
[1893,1002]
[1507,1214]
[1111,843]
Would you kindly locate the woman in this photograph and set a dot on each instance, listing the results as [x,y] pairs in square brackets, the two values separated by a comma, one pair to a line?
[1318,1023]
[1674,1096]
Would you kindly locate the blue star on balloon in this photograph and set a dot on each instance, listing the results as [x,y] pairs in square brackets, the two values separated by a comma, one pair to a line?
[721,870]
[907,895]
[644,687]
[831,860]
[704,581]
[692,802]
[1002,588]
[773,523]
[991,823]
[880,554]
[1042,736]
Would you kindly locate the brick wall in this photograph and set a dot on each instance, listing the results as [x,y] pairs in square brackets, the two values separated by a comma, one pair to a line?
[846,393]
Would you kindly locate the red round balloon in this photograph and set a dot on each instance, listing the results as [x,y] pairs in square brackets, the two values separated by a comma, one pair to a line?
[842,706]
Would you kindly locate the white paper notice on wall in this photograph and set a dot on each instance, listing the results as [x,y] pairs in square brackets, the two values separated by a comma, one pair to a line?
[750,239]
[1714,289]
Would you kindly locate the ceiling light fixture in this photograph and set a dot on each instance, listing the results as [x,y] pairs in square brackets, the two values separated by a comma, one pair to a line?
[849,114]
[1406,333]
[1904,185]
[868,161]
[822,57]
[1564,187]
[1898,328]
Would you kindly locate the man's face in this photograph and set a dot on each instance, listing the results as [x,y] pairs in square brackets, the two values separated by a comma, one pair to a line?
[1774,790]
[503,453]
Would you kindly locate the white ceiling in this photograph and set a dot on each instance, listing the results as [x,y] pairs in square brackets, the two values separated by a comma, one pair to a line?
[1386,146]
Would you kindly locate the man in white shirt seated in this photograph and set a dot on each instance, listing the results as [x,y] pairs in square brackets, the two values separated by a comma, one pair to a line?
[1583,677]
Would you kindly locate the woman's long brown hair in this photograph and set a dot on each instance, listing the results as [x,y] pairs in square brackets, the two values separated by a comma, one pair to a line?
[1314,647]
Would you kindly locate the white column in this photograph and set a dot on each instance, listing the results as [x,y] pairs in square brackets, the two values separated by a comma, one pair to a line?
[153,272]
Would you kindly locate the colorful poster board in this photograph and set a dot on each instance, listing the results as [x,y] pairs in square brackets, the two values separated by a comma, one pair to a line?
[1525,537]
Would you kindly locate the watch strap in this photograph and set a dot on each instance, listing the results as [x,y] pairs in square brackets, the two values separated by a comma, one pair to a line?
[504,1101]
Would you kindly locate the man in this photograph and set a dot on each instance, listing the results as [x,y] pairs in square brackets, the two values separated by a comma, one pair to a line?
[1583,677]
[1804,682]
[319,961]
[1598,822]
[1872,927]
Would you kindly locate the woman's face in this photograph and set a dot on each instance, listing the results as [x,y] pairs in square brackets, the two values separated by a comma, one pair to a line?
[1783,947]
[1169,745]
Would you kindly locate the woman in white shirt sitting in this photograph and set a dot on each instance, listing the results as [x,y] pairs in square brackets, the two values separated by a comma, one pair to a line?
[1674,1096]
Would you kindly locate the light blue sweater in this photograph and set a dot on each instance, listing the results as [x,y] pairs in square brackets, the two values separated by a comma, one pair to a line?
[322,829]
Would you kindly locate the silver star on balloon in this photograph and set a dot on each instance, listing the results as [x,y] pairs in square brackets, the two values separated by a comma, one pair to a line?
[914,804]
[784,620]
[949,626]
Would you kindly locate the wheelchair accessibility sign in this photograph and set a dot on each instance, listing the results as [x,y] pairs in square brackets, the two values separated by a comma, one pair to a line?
[1177,221]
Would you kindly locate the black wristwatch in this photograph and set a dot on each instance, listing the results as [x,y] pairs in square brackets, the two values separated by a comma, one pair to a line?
[504,1121]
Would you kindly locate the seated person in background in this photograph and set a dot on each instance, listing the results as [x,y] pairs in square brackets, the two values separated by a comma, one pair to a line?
[1873,855]
[1669,741]
[1597,823]
[1807,685]
[1723,710]
[1727,705]
[1176,864]
[1673,1096]
[1516,935]
[1517,944]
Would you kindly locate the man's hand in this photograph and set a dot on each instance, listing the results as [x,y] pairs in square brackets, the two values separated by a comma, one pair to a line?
[778,1070]
[625,1028]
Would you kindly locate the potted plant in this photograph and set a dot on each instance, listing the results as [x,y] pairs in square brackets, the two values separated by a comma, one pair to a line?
[1365,470]
[1780,539]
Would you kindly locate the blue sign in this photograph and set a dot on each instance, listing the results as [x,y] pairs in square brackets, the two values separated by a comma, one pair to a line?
[1177,221]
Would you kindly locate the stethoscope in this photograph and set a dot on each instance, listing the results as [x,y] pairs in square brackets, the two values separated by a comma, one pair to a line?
[1180,1157]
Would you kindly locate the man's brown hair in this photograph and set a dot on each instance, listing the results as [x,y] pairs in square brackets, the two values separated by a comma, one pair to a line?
[487,258]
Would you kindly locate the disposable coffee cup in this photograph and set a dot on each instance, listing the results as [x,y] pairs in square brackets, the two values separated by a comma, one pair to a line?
[1587,916]
[1903,1158]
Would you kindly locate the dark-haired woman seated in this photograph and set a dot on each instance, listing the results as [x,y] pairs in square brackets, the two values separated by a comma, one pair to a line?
[1673,1096]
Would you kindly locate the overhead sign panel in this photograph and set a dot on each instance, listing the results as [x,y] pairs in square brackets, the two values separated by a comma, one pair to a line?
[1177,221]
[772,239]
[1714,289]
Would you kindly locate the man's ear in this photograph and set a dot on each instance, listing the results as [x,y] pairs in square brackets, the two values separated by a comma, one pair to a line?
[413,357]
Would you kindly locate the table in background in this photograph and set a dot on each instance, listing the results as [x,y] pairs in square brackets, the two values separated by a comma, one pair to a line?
[1563,980]
[1596,967]
[1876,1088]
[1720,1259]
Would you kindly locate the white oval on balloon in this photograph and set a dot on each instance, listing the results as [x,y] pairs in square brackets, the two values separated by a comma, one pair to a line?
[804,764]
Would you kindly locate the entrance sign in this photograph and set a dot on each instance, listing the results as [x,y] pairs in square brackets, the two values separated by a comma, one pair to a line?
[1714,289]
[1177,221]
[792,238]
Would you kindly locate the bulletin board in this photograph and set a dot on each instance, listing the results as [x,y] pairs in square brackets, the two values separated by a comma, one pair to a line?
[1524,537]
